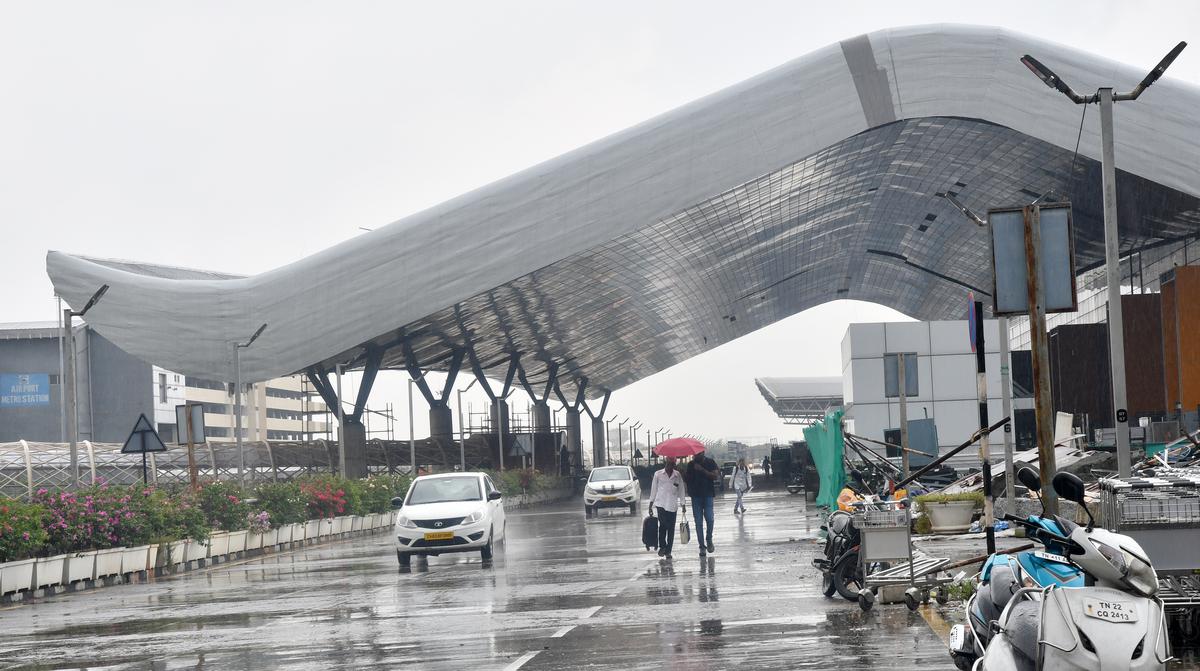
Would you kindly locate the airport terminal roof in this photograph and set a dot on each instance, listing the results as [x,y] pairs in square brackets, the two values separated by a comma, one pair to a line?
[822,179]
[801,400]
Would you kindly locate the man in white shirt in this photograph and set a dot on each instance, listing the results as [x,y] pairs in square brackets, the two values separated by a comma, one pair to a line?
[666,499]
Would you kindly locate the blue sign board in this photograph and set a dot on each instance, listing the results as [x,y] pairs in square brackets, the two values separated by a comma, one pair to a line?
[24,390]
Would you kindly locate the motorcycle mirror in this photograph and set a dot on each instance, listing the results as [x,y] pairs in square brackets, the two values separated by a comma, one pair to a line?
[1030,478]
[1069,486]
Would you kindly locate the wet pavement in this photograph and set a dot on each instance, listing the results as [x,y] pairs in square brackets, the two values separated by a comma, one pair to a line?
[565,593]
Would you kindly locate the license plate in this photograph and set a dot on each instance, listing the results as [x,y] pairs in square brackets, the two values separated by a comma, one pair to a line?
[1110,611]
[609,498]
[1050,556]
[439,535]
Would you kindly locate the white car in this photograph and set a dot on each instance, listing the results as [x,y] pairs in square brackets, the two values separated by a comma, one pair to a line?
[612,487]
[453,512]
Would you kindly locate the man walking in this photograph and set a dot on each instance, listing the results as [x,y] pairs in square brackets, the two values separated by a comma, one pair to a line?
[700,476]
[666,497]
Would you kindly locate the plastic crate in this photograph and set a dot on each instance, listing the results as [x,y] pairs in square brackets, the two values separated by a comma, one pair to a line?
[1161,513]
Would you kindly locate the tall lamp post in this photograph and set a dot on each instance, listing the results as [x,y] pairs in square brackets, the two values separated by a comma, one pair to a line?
[1112,258]
[608,439]
[237,404]
[620,439]
[72,414]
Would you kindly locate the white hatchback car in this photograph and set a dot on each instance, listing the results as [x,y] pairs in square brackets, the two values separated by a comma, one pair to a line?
[453,512]
[612,487]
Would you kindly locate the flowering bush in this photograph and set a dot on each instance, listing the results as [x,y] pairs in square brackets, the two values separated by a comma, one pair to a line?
[282,501]
[223,506]
[325,497]
[375,493]
[104,517]
[22,529]
[259,522]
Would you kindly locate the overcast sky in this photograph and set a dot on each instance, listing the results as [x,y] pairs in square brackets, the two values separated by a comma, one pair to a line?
[242,136]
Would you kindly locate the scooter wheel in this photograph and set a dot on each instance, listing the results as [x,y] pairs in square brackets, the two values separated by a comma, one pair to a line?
[925,596]
[942,595]
[866,599]
[828,586]
[912,598]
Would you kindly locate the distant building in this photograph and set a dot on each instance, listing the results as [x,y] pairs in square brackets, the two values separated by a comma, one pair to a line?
[114,388]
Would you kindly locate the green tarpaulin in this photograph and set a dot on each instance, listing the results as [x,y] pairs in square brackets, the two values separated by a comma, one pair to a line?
[826,444]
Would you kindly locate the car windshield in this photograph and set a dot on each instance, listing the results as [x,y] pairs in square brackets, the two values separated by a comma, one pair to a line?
[440,490]
[609,474]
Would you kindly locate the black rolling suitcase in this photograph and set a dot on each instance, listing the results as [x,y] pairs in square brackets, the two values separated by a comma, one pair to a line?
[650,532]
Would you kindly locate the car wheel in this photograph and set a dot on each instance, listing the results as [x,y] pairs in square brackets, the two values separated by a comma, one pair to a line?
[486,551]
[404,558]
[587,511]
[633,508]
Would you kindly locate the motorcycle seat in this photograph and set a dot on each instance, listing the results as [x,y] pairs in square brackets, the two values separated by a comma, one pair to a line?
[1021,628]
[996,594]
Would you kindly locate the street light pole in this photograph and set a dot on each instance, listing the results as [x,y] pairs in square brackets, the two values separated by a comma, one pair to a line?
[237,404]
[462,428]
[70,387]
[1112,258]
[620,440]
[608,439]
[341,422]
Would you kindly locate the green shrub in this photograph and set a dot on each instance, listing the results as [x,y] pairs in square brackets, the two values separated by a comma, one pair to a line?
[224,506]
[327,496]
[977,497]
[22,529]
[374,494]
[282,501]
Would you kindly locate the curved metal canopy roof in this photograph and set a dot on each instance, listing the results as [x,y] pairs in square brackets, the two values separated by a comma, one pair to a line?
[821,179]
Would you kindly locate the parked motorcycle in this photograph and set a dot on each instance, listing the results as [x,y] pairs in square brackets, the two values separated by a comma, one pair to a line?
[841,571]
[1115,622]
[1004,574]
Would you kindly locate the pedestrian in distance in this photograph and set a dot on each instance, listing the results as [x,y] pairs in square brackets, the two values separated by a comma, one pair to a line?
[742,483]
[666,498]
[767,467]
[701,476]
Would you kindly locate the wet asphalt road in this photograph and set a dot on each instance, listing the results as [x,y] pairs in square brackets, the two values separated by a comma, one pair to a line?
[565,593]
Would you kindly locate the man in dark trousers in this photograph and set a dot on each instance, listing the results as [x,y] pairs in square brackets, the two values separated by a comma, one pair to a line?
[701,475]
[767,466]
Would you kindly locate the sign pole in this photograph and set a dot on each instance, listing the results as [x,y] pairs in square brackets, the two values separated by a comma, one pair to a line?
[903,389]
[1040,353]
[1112,266]
[985,457]
[145,476]
[1006,397]
[193,475]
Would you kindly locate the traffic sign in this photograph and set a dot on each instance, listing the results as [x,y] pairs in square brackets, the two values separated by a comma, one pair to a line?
[143,439]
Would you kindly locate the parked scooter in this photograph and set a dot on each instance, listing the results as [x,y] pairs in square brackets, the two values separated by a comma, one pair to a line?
[1004,574]
[841,571]
[1115,622]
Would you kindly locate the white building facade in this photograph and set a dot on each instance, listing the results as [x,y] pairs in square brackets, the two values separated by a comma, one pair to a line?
[946,390]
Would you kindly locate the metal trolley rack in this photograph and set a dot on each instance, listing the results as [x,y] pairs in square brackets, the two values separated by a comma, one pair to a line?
[1162,514]
[886,537]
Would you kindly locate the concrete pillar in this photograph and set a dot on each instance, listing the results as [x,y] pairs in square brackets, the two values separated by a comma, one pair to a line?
[574,439]
[541,417]
[501,407]
[441,422]
[598,455]
[356,450]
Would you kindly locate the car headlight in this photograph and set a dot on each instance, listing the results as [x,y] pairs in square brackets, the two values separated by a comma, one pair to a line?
[473,517]
[627,488]
[403,521]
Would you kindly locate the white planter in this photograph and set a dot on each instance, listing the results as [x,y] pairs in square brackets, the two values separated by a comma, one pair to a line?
[271,538]
[49,571]
[951,517]
[17,576]
[196,550]
[218,544]
[108,563]
[356,523]
[254,540]
[237,541]
[152,557]
[343,525]
[79,566]
[312,529]
[176,553]
[283,534]
[372,521]
[135,559]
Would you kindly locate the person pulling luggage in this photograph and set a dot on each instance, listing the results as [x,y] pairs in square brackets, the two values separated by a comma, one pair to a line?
[742,483]
[666,499]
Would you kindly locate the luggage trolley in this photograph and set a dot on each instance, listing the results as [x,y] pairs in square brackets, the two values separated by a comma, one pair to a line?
[1162,513]
[886,537]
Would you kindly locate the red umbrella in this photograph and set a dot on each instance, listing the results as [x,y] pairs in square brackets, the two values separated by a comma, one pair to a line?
[679,447]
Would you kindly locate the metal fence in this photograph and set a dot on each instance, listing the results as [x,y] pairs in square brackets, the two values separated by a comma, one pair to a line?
[26,466]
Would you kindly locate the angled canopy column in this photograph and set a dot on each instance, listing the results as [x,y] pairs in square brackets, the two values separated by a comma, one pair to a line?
[572,408]
[500,420]
[541,402]
[599,436]
[441,420]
